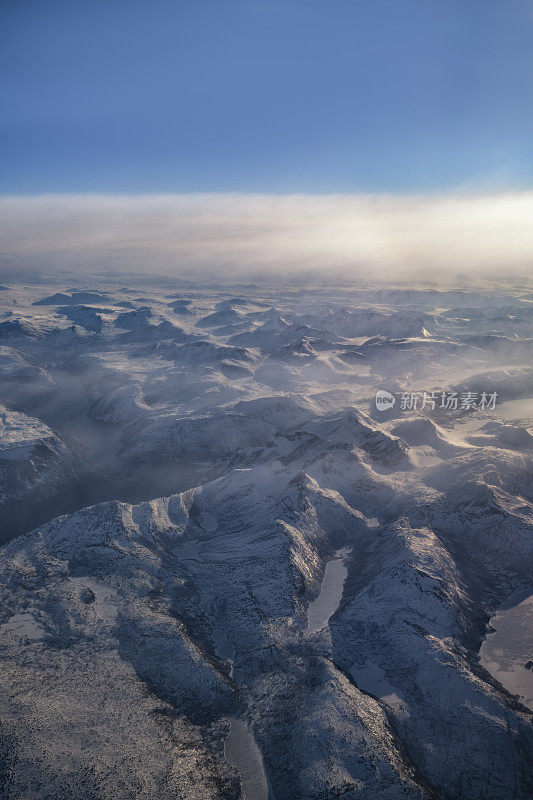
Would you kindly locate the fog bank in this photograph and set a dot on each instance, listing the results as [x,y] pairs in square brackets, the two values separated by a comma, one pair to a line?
[244,235]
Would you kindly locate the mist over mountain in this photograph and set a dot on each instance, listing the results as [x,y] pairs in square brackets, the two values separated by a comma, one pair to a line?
[227,572]
[266,400]
[462,236]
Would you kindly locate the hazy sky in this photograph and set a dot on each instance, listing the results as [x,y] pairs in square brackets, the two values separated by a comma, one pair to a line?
[243,235]
[325,135]
[266,95]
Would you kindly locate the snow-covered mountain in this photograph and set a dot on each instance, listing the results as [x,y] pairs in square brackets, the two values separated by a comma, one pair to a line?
[35,467]
[221,484]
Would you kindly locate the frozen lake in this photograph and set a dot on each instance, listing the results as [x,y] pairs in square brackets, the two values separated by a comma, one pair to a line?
[327,602]
[23,625]
[242,752]
[516,409]
[372,679]
[506,652]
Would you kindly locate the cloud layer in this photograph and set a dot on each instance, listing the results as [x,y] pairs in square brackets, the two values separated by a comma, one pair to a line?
[240,235]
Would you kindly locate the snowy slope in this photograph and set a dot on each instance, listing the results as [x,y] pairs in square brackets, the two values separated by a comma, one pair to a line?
[185,464]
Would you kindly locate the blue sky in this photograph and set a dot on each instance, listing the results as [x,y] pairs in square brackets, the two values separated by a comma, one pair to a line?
[317,96]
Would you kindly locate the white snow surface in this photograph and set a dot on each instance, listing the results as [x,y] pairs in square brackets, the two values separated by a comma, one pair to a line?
[226,575]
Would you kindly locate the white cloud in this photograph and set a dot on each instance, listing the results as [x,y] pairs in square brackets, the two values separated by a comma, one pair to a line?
[245,235]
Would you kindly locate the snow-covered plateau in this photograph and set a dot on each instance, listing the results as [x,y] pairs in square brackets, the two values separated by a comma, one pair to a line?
[227,574]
